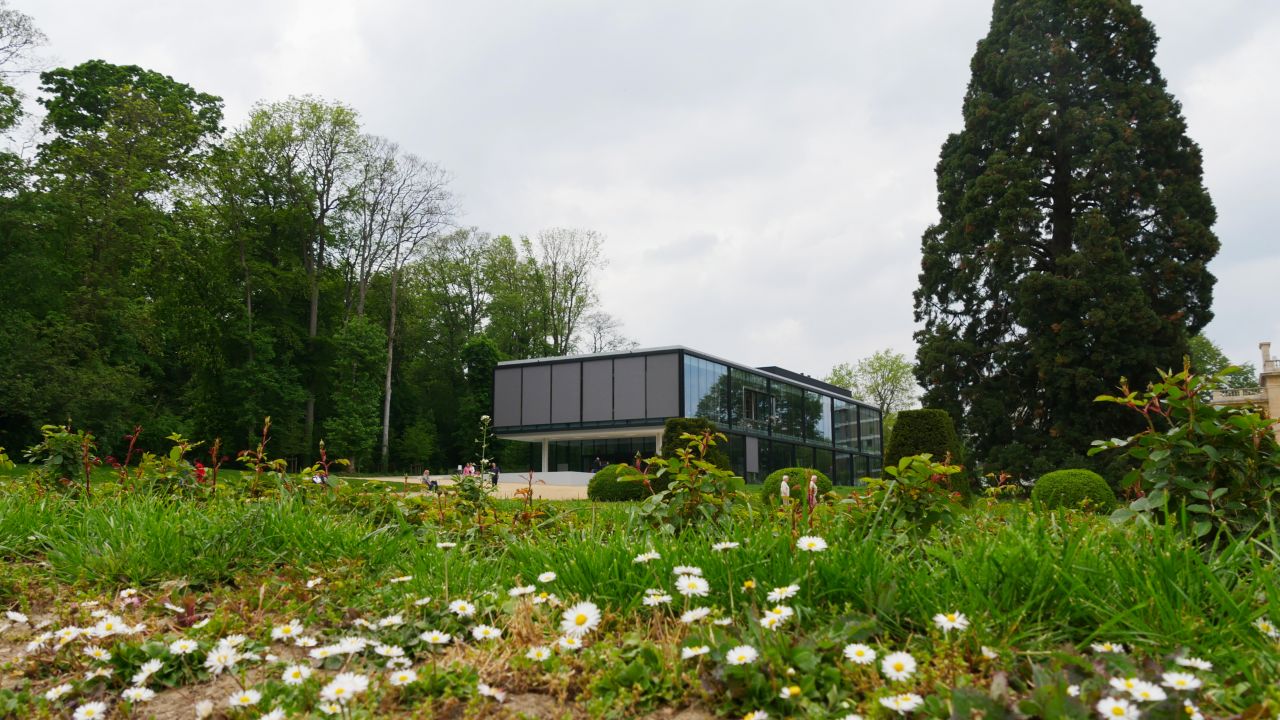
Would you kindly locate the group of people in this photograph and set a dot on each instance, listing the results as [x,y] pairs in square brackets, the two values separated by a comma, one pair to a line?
[784,490]
[468,470]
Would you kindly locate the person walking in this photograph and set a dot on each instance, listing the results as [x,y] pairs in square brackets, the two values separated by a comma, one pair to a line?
[784,490]
[496,471]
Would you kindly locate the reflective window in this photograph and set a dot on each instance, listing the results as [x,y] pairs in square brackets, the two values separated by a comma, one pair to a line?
[788,411]
[752,405]
[804,456]
[845,425]
[869,431]
[822,462]
[843,472]
[705,389]
[817,416]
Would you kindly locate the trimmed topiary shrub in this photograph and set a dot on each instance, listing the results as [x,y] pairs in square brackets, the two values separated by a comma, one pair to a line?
[916,432]
[620,482]
[675,427]
[1071,488]
[799,483]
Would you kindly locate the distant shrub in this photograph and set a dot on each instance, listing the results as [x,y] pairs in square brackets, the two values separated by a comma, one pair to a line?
[1071,488]
[917,432]
[620,482]
[675,427]
[799,483]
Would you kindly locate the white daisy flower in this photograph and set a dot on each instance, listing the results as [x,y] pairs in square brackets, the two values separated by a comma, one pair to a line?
[547,598]
[547,577]
[580,619]
[686,570]
[314,582]
[67,634]
[485,632]
[389,651]
[204,709]
[97,653]
[1148,692]
[149,668]
[277,714]
[1266,627]
[521,590]
[898,666]
[244,698]
[1180,681]
[569,642]
[391,621]
[305,641]
[694,615]
[1073,690]
[287,631]
[489,691]
[782,612]
[722,622]
[989,654]
[693,652]
[344,687]
[1192,712]
[127,593]
[183,646]
[722,546]
[15,616]
[401,579]
[98,673]
[232,641]
[138,694]
[221,658]
[756,715]
[951,621]
[1194,662]
[199,624]
[770,622]
[295,674]
[692,586]
[1117,709]
[538,653]
[1107,647]
[902,704]
[859,654]
[38,642]
[173,608]
[646,557]
[462,608]
[435,637]
[351,645]
[109,625]
[446,545]
[790,691]
[57,691]
[400,678]
[1124,684]
[656,600]
[742,655]
[420,602]
[783,593]
[811,543]
[330,708]
[91,711]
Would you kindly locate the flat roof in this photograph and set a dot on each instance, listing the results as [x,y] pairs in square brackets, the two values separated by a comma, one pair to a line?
[776,373]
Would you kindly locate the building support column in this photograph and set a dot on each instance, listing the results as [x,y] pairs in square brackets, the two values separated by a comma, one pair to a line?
[546,455]
[658,444]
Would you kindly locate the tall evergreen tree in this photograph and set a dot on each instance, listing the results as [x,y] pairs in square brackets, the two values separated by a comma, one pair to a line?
[1074,233]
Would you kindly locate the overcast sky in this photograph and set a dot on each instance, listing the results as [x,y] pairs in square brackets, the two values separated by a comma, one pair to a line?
[762,171]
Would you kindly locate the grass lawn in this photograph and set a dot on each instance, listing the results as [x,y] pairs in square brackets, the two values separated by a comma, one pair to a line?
[1048,599]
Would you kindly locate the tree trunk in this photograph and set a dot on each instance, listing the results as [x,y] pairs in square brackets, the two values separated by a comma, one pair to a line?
[386,388]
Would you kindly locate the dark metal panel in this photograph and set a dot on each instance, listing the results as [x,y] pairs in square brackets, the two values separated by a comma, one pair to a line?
[628,388]
[566,393]
[753,454]
[597,390]
[535,396]
[506,397]
[662,386]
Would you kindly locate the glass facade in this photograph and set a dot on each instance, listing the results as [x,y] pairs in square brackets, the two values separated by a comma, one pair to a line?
[581,455]
[794,426]
[705,388]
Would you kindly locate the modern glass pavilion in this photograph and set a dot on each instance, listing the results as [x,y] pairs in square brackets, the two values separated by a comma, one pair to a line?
[612,405]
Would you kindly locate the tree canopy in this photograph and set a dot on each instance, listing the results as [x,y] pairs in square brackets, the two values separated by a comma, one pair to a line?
[1074,233]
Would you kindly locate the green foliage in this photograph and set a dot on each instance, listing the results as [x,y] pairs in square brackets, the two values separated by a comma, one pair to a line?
[917,495]
[617,482]
[885,379]
[1074,489]
[698,493]
[674,430]
[360,361]
[1208,359]
[799,483]
[66,457]
[1073,219]
[923,431]
[1219,465]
